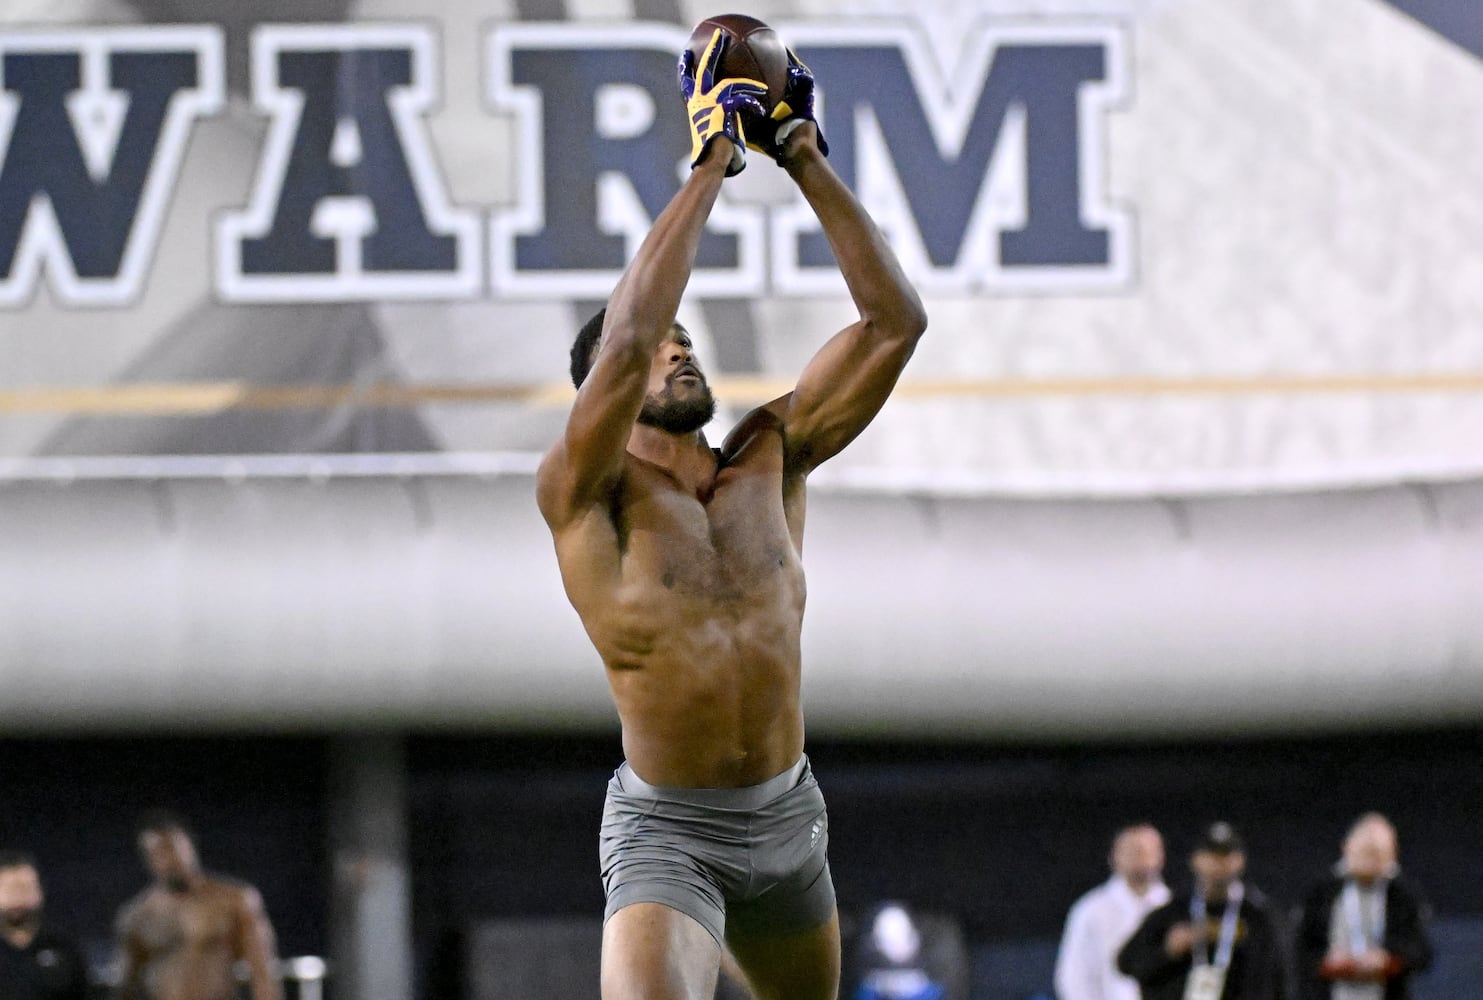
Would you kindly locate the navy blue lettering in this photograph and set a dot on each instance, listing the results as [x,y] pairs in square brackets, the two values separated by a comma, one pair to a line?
[336,87]
[44,159]
[1043,79]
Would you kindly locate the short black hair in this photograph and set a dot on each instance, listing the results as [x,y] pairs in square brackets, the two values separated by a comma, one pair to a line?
[162,821]
[584,348]
[16,859]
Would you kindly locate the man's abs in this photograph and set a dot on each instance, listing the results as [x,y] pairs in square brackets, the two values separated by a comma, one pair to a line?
[188,974]
[712,704]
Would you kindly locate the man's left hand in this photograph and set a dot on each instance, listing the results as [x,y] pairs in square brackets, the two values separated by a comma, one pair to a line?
[771,135]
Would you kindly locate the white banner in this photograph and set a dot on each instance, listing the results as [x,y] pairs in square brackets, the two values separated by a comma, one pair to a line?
[1165,247]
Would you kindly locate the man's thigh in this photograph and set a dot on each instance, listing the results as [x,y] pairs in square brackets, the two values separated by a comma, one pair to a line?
[653,952]
[799,966]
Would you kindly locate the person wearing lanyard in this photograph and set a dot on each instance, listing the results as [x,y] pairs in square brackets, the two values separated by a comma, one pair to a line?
[1214,942]
[1363,929]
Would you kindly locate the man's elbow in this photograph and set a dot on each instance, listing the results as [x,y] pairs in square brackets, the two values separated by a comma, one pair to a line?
[898,327]
[907,321]
[624,340]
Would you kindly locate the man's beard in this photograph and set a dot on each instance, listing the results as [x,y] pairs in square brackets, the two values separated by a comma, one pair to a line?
[678,416]
[17,918]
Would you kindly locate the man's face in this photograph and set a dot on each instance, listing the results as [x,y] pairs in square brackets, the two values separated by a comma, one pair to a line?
[170,857]
[1215,871]
[1138,856]
[20,895]
[678,399]
[1370,851]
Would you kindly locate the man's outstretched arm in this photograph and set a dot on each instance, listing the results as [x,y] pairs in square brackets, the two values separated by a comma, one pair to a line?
[584,464]
[847,382]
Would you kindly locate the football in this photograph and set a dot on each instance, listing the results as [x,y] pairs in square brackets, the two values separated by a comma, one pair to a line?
[752,50]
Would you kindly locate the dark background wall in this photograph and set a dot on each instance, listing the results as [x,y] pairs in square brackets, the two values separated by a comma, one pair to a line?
[1002,837]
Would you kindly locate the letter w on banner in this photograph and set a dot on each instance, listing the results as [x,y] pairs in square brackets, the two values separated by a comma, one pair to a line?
[93,127]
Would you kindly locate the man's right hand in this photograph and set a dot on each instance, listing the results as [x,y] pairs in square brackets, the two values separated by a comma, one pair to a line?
[715,108]
[1181,940]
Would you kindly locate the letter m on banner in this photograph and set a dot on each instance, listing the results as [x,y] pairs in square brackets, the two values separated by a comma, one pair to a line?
[93,128]
[987,167]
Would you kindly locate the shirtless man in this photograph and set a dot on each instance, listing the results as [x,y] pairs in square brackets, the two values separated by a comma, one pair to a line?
[683,563]
[182,937]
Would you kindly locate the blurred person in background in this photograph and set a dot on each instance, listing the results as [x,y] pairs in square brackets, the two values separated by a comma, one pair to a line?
[36,962]
[1363,928]
[1215,942]
[900,953]
[1101,921]
[182,937]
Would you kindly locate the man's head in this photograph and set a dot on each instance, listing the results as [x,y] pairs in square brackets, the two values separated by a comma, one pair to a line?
[584,348]
[895,935]
[20,891]
[168,850]
[678,399]
[1138,856]
[1218,860]
[1370,850]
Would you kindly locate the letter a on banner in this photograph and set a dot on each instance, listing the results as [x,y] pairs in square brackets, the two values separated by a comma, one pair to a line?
[93,128]
[348,202]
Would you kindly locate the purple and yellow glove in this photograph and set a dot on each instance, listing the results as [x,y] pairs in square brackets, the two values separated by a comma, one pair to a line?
[716,108]
[796,107]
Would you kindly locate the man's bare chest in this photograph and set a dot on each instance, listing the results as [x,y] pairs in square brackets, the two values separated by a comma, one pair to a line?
[188,924]
[726,540]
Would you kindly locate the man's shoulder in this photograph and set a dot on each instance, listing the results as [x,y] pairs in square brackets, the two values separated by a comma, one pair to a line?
[133,908]
[229,886]
[1093,897]
[1323,889]
[1177,905]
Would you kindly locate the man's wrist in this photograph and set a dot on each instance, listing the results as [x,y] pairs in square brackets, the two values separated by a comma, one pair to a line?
[717,154]
[805,155]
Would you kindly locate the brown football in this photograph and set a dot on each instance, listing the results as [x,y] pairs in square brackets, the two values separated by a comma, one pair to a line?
[753,50]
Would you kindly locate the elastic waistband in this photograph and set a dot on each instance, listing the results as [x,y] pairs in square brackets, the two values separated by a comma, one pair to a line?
[747,797]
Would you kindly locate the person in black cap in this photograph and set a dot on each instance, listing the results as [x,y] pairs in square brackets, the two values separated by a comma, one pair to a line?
[36,963]
[1216,941]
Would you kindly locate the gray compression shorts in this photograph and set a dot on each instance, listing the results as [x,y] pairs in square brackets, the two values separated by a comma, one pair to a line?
[751,859]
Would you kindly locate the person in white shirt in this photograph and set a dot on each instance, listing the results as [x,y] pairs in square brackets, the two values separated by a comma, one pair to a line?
[1101,921]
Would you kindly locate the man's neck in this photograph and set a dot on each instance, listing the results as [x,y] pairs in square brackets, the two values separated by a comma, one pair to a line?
[687,457]
[1218,895]
[20,935]
[1140,888]
[187,885]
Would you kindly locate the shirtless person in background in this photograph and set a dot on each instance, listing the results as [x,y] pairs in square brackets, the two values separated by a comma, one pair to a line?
[683,562]
[182,937]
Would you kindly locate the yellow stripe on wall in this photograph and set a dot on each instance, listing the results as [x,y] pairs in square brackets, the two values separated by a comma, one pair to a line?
[196,398]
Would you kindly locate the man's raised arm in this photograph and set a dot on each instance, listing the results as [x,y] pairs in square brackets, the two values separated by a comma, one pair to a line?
[584,464]
[847,382]
[588,458]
